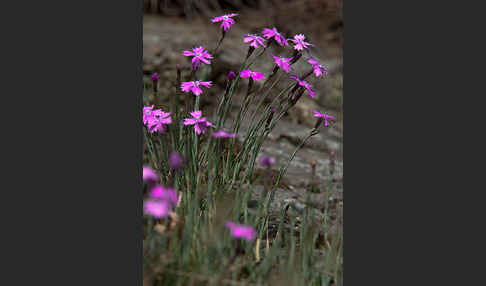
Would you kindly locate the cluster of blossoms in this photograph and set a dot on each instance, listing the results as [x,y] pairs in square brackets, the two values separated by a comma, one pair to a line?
[155,120]
[200,55]
[162,200]
[299,44]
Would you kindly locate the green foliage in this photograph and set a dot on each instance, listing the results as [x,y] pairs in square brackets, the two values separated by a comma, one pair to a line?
[192,247]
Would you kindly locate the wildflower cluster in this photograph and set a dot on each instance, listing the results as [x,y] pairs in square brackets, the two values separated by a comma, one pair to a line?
[201,158]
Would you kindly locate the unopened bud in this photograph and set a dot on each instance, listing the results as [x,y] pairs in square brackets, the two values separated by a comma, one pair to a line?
[231,75]
[155,79]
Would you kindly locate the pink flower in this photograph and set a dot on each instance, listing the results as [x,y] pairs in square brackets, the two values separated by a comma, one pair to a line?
[194,86]
[158,121]
[226,20]
[231,75]
[305,84]
[254,40]
[256,76]
[300,43]
[283,63]
[165,194]
[200,123]
[241,231]
[325,116]
[223,134]
[267,161]
[155,77]
[149,175]
[199,56]
[147,114]
[273,33]
[318,68]
[176,161]
[157,208]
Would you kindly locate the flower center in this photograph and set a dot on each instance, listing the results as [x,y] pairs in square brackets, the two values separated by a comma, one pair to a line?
[198,54]
[196,83]
[225,17]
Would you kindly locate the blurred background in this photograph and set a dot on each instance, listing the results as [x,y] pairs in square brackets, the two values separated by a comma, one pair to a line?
[171,26]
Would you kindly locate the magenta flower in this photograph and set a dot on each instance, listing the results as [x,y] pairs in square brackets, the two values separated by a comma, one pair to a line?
[231,75]
[300,43]
[149,175]
[147,113]
[226,20]
[158,121]
[325,116]
[254,40]
[273,33]
[256,76]
[194,86]
[283,63]
[176,161]
[305,84]
[200,123]
[162,114]
[223,134]
[241,231]
[166,194]
[318,68]
[155,77]
[199,56]
[157,208]
[267,161]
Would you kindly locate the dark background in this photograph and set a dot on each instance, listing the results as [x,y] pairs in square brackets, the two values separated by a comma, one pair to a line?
[71,214]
